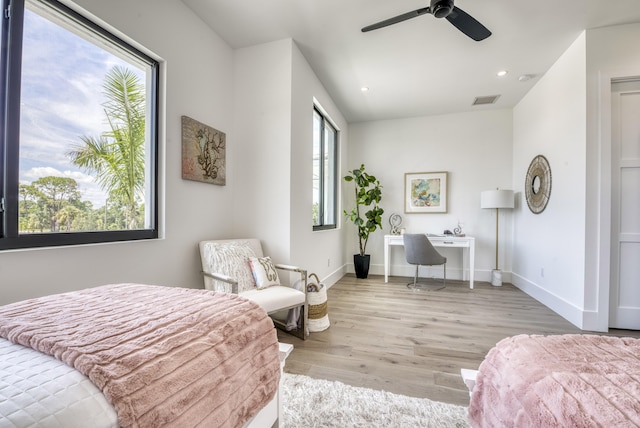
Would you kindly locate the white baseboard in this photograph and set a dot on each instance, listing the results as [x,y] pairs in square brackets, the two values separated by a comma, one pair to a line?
[334,276]
[576,316]
[431,272]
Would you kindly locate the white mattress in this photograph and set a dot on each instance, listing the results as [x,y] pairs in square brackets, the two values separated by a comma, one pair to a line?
[37,390]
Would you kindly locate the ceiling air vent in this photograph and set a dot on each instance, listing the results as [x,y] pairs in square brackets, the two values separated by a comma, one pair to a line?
[489,99]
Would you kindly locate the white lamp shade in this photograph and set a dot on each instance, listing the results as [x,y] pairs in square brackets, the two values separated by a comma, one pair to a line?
[496,199]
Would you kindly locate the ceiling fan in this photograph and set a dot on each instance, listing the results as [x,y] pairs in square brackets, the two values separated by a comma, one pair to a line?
[441,9]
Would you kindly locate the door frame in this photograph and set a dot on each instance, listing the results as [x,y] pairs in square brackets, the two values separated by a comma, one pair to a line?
[604,190]
[616,319]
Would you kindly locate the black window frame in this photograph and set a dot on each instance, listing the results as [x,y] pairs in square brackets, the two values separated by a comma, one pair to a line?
[10,93]
[324,122]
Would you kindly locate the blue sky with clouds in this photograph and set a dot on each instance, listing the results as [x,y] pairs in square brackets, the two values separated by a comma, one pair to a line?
[61,101]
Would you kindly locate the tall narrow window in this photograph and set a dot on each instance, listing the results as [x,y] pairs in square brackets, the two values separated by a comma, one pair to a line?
[325,155]
[80,140]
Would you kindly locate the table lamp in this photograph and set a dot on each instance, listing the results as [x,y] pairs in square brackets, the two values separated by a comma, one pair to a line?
[496,199]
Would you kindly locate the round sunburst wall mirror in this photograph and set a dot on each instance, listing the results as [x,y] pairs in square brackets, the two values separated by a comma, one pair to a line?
[537,185]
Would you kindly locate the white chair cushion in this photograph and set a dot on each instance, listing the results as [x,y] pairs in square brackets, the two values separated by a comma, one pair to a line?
[275,297]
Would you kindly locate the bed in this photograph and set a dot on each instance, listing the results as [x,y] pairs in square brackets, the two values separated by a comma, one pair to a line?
[558,381]
[134,355]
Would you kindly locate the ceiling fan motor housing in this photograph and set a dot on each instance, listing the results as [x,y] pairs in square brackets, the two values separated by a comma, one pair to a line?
[441,8]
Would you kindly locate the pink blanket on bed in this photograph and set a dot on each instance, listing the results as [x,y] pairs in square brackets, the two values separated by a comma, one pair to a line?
[162,356]
[559,381]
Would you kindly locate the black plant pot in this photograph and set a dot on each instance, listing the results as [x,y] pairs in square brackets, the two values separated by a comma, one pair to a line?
[361,265]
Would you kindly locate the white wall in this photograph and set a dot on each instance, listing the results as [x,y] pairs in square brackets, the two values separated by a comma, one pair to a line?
[548,256]
[262,98]
[262,121]
[474,148]
[198,83]
[567,117]
[273,114]
[321,252]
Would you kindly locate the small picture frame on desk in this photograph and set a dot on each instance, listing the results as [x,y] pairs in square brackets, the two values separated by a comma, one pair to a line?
[425,192]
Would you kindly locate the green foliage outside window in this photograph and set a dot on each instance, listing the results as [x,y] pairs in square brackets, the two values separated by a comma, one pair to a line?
[116,158]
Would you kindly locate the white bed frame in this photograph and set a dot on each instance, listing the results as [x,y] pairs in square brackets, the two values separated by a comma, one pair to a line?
[271,414]
[469,378]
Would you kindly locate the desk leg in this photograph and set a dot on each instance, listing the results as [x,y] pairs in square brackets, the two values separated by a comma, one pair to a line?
[386,261]
[472,267]
[465,264]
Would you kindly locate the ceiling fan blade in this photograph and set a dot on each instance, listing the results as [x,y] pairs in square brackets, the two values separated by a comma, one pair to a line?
[396,19]
[468,24]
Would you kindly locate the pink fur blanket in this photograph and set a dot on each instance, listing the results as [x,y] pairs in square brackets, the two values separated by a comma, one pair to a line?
[163,356]
[559,381]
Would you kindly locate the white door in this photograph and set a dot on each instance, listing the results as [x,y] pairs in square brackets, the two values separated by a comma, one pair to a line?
[625,206]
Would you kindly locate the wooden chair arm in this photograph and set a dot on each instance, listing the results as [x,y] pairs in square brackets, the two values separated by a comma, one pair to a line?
[224,278]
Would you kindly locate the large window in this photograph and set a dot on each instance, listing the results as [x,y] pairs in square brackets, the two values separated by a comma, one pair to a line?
[79,131]
[325,156]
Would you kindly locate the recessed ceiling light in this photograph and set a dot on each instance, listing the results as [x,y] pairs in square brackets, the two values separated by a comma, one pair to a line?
[502,73]
[364,89]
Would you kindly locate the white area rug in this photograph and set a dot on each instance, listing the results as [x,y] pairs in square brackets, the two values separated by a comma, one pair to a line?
[318,403]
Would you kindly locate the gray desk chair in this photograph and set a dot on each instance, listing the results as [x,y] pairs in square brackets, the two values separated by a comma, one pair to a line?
[419,251]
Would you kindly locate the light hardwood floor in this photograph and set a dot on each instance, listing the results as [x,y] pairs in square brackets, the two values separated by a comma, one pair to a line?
[385,336]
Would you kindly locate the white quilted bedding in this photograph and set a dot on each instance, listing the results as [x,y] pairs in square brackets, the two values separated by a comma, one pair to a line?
[36,390]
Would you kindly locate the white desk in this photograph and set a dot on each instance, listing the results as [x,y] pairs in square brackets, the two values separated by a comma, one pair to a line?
[467,243]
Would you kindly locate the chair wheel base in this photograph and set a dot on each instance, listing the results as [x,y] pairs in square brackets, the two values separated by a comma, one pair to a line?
[425,287]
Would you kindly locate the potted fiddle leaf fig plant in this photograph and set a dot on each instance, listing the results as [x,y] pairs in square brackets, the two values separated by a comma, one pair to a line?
[366,215]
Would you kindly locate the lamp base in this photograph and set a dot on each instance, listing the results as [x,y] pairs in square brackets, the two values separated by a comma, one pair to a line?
[496,277]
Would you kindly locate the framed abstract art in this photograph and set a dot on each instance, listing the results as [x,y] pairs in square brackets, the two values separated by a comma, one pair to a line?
[425,192]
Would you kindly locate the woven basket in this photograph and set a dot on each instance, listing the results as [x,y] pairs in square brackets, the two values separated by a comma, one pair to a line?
[318,309]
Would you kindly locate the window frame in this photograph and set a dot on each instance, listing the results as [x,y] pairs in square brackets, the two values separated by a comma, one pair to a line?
[10,94]
[326,122]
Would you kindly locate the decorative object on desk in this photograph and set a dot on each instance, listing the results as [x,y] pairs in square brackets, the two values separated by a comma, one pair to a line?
[537,185]
[496,199]
[318,308]
[395,220]
[368,193]
[425,192]
[447,232]
[458,230]
[203,153]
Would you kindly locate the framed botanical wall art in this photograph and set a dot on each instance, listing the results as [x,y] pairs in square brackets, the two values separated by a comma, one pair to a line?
[203,152]
[425,192]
